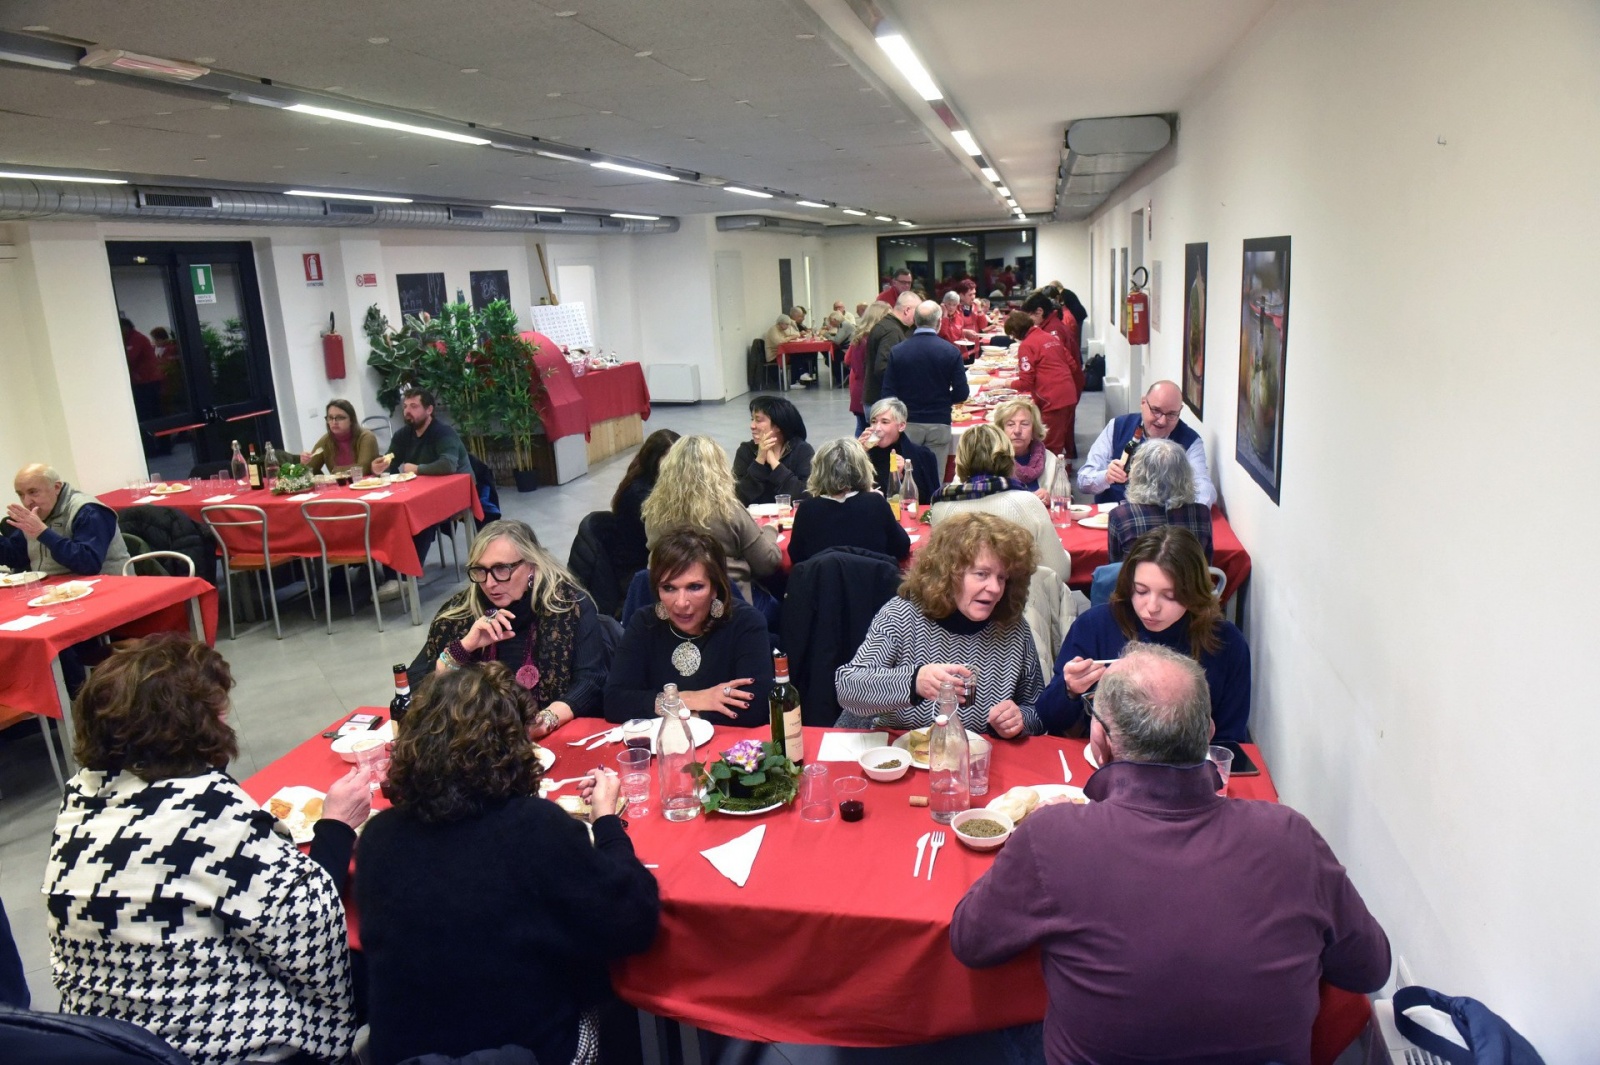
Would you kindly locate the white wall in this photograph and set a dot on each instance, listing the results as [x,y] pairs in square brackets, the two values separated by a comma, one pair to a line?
[1424,648]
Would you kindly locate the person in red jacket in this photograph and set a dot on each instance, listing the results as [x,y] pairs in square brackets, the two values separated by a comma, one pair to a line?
[1064,327]
[950,320]
[1046,374]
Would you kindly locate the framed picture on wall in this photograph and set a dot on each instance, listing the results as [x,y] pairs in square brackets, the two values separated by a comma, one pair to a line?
[488,286]
[1120,295]
[421,292]
[1194,327]
[1111,285]
[1263,351]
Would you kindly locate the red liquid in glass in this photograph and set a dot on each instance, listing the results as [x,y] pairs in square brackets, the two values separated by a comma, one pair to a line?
[852,810]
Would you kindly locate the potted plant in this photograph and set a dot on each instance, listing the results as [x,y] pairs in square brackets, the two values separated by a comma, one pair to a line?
[750,775]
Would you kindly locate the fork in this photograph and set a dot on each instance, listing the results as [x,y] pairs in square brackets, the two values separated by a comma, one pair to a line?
[586,739]
[933,853]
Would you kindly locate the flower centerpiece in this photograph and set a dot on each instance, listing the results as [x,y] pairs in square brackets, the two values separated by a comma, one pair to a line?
[292,477]
[750,775]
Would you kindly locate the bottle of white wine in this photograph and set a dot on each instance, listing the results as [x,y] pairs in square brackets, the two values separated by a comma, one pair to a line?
[784,704]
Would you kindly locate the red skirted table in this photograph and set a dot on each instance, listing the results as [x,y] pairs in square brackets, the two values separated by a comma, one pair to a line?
[619,403]
[803,347]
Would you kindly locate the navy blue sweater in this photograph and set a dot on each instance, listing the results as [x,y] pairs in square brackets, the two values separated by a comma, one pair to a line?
[925,373]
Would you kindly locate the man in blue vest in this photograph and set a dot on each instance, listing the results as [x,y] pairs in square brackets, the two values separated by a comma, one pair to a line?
[1105,473]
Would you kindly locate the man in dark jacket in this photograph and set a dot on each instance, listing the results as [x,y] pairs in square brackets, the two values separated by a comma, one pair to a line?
[925,373]
[429,448]
[884,336]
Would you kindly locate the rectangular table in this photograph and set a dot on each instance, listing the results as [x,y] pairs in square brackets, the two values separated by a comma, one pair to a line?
[802,347]
[619,403]
[399,512]
[30,667]
[830,923]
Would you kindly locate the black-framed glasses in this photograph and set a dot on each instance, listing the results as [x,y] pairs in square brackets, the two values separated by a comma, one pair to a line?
[1161,415]
[501,573]
[1088,708]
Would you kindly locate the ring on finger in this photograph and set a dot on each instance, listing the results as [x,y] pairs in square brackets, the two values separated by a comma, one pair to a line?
[727,689]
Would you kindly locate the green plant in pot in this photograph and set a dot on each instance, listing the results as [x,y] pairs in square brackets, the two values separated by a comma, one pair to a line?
[750,775]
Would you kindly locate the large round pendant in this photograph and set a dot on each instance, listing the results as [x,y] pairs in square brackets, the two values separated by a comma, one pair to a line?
[686,659]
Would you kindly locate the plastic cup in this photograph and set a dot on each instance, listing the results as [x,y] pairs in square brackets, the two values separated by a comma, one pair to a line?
[816,798]
[784,503]
[981,751]
[374,763]
[851,793]
[1222,758]
[633,763]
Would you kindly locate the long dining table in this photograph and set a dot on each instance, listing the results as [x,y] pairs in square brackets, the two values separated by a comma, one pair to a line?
[400,510]
[830,922]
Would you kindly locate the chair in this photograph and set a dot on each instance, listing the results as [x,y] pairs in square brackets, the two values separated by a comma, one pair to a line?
[237,560]
[592,561]
[832,599]
[1219,579]
[32,1036]
[381,428]
[152,568]
[170,529]
[1100,585]
[758,368]
[330,512]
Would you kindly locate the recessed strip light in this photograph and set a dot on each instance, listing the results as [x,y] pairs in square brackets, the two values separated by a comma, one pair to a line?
[858,214]
[810,203]
[989,172]
[519,207]
[345,196]
[1002,190]
[905,60]
[908,224]
[883,218]
[757,193]
[637,217]
[557,155]
[1011,203]
[384,123]
[62,177]
[637,171]
[964,139]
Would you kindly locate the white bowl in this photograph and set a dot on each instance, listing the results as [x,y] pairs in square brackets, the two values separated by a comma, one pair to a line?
[982,843]
[870,760]
[350,743]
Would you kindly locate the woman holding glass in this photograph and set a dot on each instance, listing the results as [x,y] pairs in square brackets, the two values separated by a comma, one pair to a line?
[522,608]
[346,443]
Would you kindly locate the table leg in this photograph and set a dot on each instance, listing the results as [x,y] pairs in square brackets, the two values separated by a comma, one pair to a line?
[66,716]
[50,745]
[416,599]
[197,621]
[783,372]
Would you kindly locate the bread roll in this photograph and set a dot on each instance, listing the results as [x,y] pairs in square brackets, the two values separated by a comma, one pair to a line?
[1016,804]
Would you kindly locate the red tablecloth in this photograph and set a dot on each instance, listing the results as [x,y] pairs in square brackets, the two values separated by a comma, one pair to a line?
[820,899]
[120,606]
[615,393]
[563,409]
[410,507]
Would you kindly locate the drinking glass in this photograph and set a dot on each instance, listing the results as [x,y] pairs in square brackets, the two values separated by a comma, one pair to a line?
[981,750]
[640,732]
[1222,758]
[816,799]
[784,503]
[634,766]
[850,791]
[374,763]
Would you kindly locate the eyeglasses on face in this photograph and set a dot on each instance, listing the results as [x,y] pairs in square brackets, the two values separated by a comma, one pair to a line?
[1088,708]
[501,573]
[1157,414]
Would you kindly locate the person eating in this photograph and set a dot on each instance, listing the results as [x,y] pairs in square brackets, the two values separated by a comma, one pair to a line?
[523,608]
[984,464]
[957,620]
[884,435]
[1163,596]
[776,460]
[1160,492]
[698,635]
[843,510]
[1034,466]
[426,447]
[54,529]
[347,442]
[1105,471]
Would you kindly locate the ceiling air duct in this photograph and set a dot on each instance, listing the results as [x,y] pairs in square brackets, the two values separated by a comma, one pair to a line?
[739,223]
[1099,154]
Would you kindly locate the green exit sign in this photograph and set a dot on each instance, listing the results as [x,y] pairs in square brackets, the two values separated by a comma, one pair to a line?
[205,287]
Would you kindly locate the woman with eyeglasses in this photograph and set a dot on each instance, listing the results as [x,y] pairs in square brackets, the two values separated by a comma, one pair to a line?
[345,444]
[522,608]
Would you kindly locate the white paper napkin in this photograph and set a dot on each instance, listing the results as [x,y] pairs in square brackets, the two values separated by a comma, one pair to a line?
[26,622]
[849,746]
[375,495]
[302,497]
[146,499]
[217,499]
[914,537]
[734,858]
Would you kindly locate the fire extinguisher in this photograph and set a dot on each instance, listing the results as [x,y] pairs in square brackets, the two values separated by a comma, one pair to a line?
[333,352]
[1139,309]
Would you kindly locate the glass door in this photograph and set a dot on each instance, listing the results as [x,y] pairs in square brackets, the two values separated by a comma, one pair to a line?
[195,342]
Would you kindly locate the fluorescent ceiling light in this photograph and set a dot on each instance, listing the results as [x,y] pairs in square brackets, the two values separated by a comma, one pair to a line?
[17,55]
[900,53]
[639,217]
[904,223]
[384,123]
[345,196]
[989,173]
[810,203]
[968,145]
[747,192]
[851,210]
[883,218]
[1004,192]
[519,207]
[636,170]
[1011,203]
[557,155]
[134,63]
[61,177]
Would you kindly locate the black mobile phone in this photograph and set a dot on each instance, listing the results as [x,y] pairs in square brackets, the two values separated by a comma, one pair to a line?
[1242,765]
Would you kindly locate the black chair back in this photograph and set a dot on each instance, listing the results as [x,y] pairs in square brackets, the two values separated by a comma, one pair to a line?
[831,601]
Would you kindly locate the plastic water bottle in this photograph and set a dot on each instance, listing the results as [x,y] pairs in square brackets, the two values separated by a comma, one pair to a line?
[680,793]
[949,760]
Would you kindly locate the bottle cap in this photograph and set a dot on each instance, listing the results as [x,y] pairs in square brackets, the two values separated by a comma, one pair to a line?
[941,719]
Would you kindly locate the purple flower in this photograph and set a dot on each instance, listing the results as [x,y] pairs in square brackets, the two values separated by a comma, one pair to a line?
[744,756]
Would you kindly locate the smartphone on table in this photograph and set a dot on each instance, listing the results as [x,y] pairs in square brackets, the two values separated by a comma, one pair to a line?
[1242,765]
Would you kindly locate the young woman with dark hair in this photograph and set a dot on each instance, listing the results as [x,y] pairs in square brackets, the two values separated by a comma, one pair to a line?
[776,460]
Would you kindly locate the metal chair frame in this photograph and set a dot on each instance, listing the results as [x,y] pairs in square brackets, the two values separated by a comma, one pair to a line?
[260,519]
[363,514]
[381,427]
[180,556]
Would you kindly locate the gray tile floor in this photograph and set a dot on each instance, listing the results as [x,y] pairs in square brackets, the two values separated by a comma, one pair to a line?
[289,689]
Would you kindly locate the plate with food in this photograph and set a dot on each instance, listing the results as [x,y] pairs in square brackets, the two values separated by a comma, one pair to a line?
[169,488]
[1021,801]
[764,510]
[11,580]
[402,478]
[734,808]
[369,482]
[298,809]
[62,593]
[915,743]
[1101,520]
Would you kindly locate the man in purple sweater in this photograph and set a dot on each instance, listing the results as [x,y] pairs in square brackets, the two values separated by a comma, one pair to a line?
[1172,924]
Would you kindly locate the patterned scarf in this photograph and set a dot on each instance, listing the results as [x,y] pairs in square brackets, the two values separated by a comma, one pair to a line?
[985,484]
[1029,470]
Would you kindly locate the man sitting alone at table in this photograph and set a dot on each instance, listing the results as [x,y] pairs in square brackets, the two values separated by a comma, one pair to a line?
[430,449]
[57,529]
[1105,471]
[784,330]
[1202,926]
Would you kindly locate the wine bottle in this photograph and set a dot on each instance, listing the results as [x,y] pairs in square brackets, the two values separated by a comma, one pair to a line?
[258,477]
[402,693]
[896,499]
[783,702]
[237,466]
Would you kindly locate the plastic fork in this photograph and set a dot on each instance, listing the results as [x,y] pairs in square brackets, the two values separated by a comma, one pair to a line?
[609,737]
[933,853]
[586,739]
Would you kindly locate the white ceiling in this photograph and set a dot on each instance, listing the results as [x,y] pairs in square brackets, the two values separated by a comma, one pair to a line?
[730,89]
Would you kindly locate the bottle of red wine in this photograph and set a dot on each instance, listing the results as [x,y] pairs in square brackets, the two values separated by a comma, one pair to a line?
[784,704]
[402,693]
[258,470]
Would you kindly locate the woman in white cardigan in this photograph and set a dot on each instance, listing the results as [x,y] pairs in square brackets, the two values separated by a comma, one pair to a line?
[985,462]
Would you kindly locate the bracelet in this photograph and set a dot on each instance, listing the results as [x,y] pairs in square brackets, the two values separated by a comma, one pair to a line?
[447,662]
[458,651]
[548,719]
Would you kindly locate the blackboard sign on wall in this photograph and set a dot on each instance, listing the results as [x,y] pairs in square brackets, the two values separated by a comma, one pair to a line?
[421,292]
[488,286]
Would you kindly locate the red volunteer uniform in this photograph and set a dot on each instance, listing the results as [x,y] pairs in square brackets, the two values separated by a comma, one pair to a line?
[1046,372]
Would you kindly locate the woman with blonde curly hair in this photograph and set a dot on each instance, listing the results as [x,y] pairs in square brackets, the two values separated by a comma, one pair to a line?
[984,464]
[479,898]
[957,620]
[695,490]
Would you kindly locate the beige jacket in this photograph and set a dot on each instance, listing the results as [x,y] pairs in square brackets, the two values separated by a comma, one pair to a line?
[752,550]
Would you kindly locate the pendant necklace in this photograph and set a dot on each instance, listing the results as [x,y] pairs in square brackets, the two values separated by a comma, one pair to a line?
[686,656]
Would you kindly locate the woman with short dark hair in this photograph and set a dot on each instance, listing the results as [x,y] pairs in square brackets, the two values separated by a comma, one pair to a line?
[488,918]
[173,904]
[699,635]
[776,460]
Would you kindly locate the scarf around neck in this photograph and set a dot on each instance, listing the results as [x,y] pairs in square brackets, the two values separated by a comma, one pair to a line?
[985,484]
[1029,470]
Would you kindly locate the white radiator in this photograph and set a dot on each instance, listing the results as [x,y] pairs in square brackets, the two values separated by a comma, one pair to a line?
[1116,397]
[675,382]
[572,457]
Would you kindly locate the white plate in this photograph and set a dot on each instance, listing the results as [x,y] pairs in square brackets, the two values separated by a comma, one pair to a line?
[345,746]
[401,478]
[904,743]
[1079,510]
[10,580]
[748,813]
[1101,520]
[299,826]
[700,730]
[46,600]
[1056,791]
[169,488]
[764,510]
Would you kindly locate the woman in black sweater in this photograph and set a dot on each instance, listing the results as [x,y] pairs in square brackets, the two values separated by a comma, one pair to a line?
[631,553]
[487,916]
[776,460]
[843,510]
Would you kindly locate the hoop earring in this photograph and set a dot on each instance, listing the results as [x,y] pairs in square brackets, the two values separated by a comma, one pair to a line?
[717,608]
[661,610]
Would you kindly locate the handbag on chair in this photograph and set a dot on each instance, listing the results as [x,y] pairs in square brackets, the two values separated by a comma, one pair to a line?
[1490,1040]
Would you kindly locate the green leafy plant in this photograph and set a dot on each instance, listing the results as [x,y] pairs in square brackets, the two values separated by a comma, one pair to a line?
[227,353]
[750,775]
[292,477]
